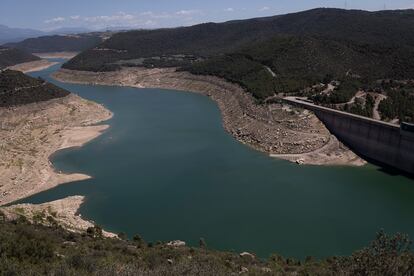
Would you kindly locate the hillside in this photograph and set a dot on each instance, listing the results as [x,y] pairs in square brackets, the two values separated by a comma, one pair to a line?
[388,29]
[10,57]
[59,43]
[17,88]
[43,250]
[292,63]
[327,55]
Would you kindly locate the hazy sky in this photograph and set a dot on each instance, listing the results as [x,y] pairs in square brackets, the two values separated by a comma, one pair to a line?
[96,14]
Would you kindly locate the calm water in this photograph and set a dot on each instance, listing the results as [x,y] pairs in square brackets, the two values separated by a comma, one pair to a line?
[167,170]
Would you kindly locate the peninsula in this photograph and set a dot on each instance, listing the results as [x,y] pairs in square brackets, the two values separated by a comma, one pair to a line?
[37,119]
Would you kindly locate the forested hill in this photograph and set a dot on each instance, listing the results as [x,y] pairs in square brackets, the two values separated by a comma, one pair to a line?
[59,43]
[385,28]
[17,88]
[291,63]
[10,57]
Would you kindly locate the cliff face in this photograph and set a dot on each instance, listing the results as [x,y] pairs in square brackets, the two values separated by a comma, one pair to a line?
[276,129]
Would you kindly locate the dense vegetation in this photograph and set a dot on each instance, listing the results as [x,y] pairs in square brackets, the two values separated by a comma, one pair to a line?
[17,88]
[399,104]
[58,43]
[300,62]
[10,57]
[301,49]
[388,29]
[33,249]
[239,69]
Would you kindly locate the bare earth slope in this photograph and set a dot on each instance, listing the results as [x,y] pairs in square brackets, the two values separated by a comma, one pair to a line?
[30,133]
[295,135]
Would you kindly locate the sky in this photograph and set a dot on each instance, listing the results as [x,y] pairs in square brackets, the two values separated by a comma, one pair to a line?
[99,14]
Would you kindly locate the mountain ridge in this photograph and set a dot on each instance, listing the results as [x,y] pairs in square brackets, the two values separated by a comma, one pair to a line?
[391,28]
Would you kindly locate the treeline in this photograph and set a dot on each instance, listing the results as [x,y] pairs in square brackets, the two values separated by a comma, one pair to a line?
[33,249]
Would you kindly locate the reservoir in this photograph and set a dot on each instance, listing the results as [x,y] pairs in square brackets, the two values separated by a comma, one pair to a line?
[167,170]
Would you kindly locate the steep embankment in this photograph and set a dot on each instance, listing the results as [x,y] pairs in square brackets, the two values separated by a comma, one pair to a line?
[273,129]
[37,119]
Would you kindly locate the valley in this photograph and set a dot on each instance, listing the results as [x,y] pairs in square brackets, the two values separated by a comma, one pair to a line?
[157,142]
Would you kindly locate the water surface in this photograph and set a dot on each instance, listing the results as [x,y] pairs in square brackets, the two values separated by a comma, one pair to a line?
[166,169]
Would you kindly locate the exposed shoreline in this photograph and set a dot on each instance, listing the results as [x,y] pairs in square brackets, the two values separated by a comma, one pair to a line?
[39,65]
[32,66]
[276,129]
[63,55]
[31,133]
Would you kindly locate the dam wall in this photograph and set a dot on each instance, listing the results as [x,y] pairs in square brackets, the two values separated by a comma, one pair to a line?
[381,142]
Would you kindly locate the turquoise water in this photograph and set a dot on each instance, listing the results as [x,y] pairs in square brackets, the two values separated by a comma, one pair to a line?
[167,170]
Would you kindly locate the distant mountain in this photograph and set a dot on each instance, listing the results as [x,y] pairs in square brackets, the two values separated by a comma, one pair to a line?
[10,57]
[9,35]
[59,43]
[69,30]
[17,34]
[385,28]
[117,29]
[18,89]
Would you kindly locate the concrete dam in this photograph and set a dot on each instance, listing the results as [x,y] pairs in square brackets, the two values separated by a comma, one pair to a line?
[381,142]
